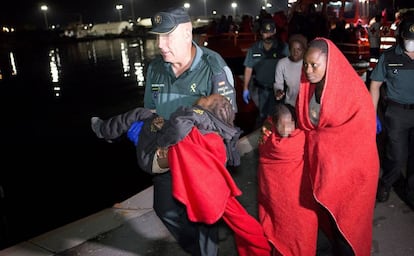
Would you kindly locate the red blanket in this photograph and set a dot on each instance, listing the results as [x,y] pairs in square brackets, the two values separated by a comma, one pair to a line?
[286,205]
[341,154]
[201,181]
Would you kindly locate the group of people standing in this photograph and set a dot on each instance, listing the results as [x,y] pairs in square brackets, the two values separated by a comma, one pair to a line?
[318,165]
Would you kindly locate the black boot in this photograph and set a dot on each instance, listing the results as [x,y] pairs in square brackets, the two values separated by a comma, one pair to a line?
[383,192]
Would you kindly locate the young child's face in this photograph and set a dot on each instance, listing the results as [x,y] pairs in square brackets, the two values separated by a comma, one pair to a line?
[285,125]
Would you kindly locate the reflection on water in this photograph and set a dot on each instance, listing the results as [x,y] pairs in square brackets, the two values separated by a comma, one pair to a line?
[55,69]
[54,169]
[7,64]
[13,64]
[133,56]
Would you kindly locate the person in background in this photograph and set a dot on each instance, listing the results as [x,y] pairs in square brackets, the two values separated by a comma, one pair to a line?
[246,25]
[289,70]
[395,69]
[182,73]
[285,202]
[338,33]
[260,64]
[374,37]
[281,23]
[335,110]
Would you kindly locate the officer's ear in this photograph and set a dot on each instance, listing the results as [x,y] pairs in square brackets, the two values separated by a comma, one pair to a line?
[188,33]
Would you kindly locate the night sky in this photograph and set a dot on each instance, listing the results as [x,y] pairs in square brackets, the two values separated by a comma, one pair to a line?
[27,12]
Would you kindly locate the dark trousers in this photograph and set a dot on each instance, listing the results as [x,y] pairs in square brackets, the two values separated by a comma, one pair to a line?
[330,241]
[399,125]
[195,238]
[267,102]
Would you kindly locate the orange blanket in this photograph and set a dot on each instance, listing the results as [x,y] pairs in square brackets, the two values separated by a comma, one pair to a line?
[341,153]
[286,205]
[202,183]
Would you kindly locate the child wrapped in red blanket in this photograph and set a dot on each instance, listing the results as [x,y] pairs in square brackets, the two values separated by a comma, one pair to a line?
[199,141]
[286,205]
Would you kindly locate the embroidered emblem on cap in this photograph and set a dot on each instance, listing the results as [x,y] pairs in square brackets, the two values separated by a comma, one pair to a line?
[158,19]
[411,28]
[268,27]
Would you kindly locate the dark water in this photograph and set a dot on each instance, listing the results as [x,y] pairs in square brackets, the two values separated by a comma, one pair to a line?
[53,168]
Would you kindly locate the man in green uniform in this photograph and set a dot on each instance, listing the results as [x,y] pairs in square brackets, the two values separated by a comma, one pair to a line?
[395,67]
[260,62]
[178,77]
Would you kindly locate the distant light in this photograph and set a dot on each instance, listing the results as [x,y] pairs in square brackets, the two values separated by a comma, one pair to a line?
[13,64]
[186,5]
[43,8]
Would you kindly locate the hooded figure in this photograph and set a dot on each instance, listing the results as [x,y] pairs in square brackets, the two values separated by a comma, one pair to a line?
[335,110]
[285,203]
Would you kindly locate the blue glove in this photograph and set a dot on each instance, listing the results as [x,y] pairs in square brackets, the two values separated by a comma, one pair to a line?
[246,96]
[379,126]
[134,131]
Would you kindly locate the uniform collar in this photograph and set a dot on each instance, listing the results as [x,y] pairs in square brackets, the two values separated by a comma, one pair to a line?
[197,57]
[399,50]
[261,44]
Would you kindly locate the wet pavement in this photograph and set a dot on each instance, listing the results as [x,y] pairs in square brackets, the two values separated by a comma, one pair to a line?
[131,227]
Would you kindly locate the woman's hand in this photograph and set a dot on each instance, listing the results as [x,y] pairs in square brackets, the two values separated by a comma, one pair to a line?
[279,94]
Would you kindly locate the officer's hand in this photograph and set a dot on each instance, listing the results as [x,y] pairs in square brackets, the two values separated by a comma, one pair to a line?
[134,131]
[379,126]
[246,96]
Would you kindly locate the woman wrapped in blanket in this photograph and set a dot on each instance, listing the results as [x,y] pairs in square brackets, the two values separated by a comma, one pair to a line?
[335,110]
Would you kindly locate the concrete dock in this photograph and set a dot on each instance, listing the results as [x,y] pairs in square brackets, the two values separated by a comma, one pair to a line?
[131,227]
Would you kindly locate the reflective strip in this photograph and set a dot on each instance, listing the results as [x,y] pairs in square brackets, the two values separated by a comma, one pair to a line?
[374,60]
[388,39]
[385,46]
[387,42]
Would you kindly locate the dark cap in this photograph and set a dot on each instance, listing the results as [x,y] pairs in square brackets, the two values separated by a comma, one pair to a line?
[407,28]
[268,26]
[165,22]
